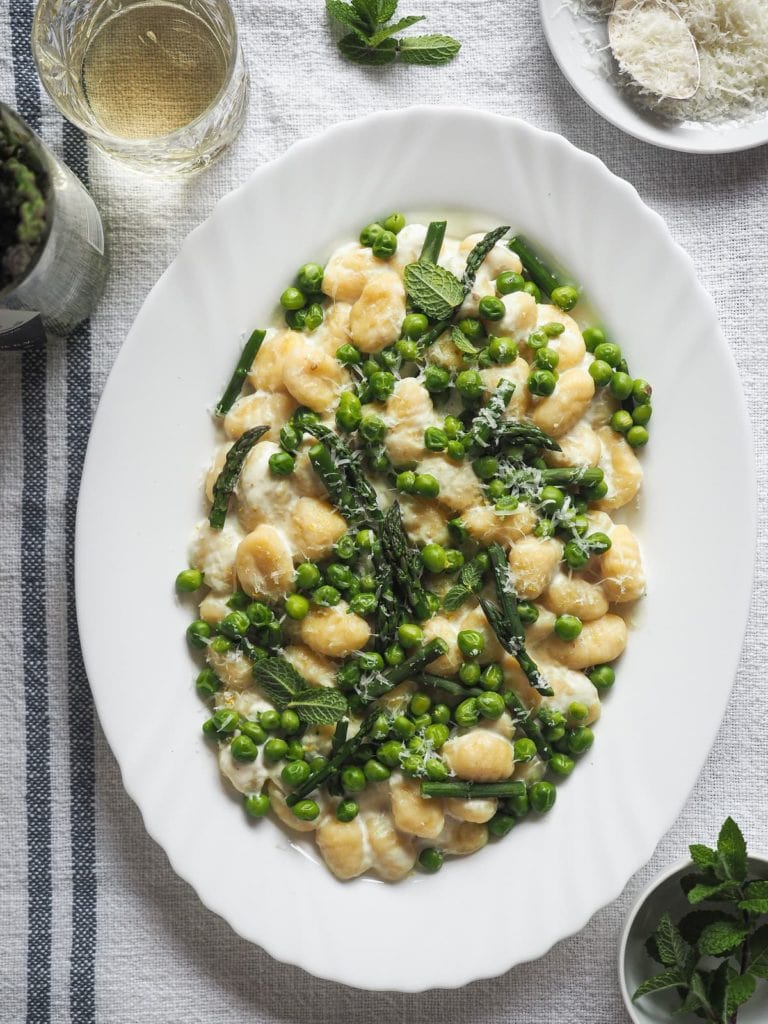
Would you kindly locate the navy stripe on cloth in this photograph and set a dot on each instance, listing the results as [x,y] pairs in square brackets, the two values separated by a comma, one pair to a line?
[33,587]
[82,993]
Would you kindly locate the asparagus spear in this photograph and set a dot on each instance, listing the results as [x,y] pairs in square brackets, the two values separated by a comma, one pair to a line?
[449,686]
[227,478]
[472,790]
[478,254]
[510,432]
[505,621]
[433,241]
[528,724]
[538,271]
[344,751]
[488,421]
[405,561]
[584,476]
[244,364]
[385,681]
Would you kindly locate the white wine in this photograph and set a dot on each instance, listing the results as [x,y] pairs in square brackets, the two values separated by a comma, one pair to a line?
[151,69]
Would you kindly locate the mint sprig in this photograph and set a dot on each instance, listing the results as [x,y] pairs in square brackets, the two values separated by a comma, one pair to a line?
[730,931]
[289,690]
[371,39]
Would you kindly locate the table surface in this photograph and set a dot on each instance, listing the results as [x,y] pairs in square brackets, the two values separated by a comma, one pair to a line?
[96,925]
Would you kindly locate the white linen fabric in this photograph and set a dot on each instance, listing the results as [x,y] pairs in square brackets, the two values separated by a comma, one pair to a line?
[96,927]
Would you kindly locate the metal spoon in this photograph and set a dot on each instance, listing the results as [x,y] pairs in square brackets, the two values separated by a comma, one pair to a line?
[626,22]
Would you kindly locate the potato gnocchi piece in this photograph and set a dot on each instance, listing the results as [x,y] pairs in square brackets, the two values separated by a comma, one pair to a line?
[519,317]
[347,272]
[213,552]
[533,561]
[378,314]
[286,815]
[562,410]
[573,595]
[232,668]
[461,838]
[622,567]
[314,528]
[408,413]
[425,521]
[257,410]
[213,608]
[412,813]
[393,854]
[569,345]
[476,810]
[264,563]
[487,525]
[569,686]
[518,372]
[313,377]
[262,496]
[333,632]
[266,372]
[579,447]
[479,756]
[459,487]
[623,472]
[216,467]
[599,641]
[316,669]
[343,847]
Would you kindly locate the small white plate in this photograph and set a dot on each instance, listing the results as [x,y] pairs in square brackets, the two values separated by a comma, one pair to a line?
[141,493]
[574,40]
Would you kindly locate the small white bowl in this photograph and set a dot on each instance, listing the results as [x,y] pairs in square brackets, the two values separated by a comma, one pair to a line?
[665,894]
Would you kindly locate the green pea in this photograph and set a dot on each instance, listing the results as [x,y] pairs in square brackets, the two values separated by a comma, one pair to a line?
[561,764]
[482,560]
[313,317]
[275,749]
[552,498]
[596,492]
[471,328]
[532,289]
[565,297]
[547,358]
[578,711]
[542,383]
[348,355]
[454,559]
[385,246]
[641,414]
[525,749]
[621,421]
[375,771]
[368,584]
[347,810]
[406,481]
[593,337]
[290,722]
[295,750]
[353,779]
[492,677]
[382,384]
[281,464]
[434,558]
[295,773]
[296,606]
[437,734]
[580,740]
[518,804]
[403,727]
[395,223]
[431,860]
[370,661]
[426,485]
[436,770]
[458,530]
[307,576]
[370,233]
[456,450]
[537,340]
[292,299]
[544,528]
[485,467]
[599,543]
[339,575]
[198,633]
[637,437]
[372,428]
[553,329]
[491,705]
[389,753]
[502,350]
[209,729]
[363,604]
[435,439]
[508,281]
[310,277]
[621,385]
[410,635]
[501,824]
[471,643]
[491,308]
[469,383]
[408,350]
[467,713]
[207,683]
[189,580]
[600,372]
[542,796]
[370,367]
[269,720]
[641,391]
[254,731]
[225,720]
[507,504]
[259,613]
[568,627]
[441,714]
[306,810]
[414,326]
[349,412]
[257,804]
[528,612]
[326,596]
[602,677]
[470,673]
[436,379]
[394,654]
[608,353]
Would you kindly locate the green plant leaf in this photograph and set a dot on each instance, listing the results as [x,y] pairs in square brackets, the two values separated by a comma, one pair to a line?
[470,576]
[738,991]
[717,982]
[732,851]
[699,989]
[462,342]
[758,953]
[702,856]
[396,26]
[721,937]
[387,10]
[435,290]
[345,14]
[369,12]
[428,49]
[720,891]
[691,1004]
[279,680]
[456,597]
[693,924]
[356,50]
[319,705]
[756,897]
[669,979]
[673,949]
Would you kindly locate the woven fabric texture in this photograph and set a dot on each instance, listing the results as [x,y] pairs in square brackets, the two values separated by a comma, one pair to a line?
[96,927]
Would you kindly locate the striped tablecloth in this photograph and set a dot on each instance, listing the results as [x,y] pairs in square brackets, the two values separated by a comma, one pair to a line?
[95,925]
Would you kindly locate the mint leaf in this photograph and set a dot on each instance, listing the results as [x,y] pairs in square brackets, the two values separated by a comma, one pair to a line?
[478,254]
[719,891]
[692,925]
[732,851]
[702,856]
[428,50]
[699,989]
[669,979]
[672,948]
[758,953]
[319,705]
[397,26]
[738,991]
[358,51]
[470,576]
[279,680]
[462,342]
[717,982]
[345,14]
[435,290]
[369,12]
[756,898]
[456,597]
[721,937]
[387,10]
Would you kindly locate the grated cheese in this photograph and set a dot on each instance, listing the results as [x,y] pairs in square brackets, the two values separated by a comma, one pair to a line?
[732,40]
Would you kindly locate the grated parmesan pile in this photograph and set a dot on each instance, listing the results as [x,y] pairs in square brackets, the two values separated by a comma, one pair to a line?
[732,40]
